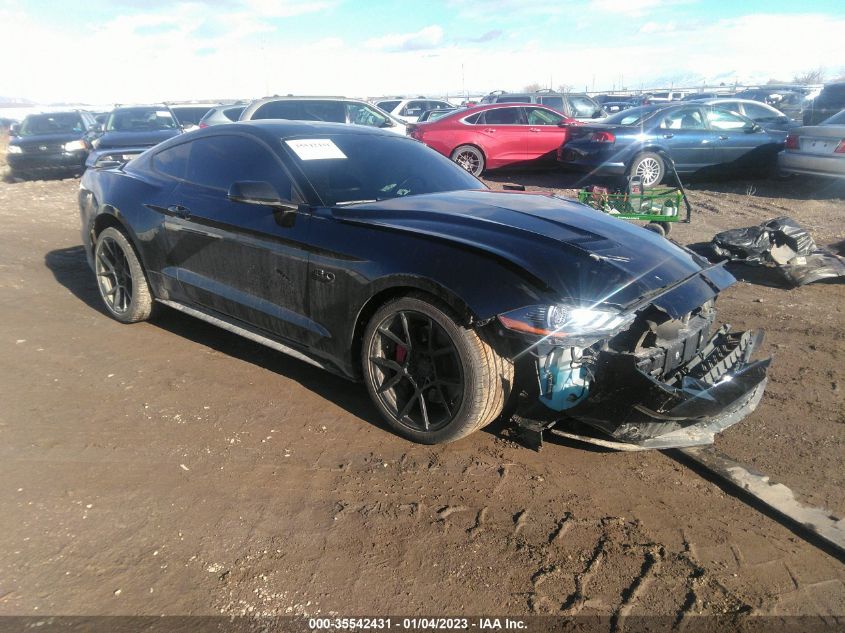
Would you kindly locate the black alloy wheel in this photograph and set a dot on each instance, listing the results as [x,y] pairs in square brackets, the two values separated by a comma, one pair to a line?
[418,369]
[433,379]
[120,278]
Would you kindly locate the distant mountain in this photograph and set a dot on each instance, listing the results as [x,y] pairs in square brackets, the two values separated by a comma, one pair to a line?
[14,102]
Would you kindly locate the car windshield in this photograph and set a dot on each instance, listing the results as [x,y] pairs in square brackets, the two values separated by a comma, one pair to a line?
[140,120]
[836,119]
[56,123]
[350,168]
[632,116]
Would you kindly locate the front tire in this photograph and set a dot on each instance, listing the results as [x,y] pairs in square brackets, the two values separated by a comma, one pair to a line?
[470,158]
[433,380]
[120,278]
[650,168]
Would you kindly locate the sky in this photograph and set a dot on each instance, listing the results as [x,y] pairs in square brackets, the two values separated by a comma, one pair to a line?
[125,51]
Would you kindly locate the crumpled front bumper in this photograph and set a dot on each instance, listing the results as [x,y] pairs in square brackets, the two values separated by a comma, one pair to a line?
[633,409]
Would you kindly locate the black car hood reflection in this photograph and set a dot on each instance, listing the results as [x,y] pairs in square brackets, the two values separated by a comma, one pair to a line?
[576,252]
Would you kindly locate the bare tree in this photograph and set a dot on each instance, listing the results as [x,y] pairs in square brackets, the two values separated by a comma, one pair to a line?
[534,87]
[810,77]
[564,88]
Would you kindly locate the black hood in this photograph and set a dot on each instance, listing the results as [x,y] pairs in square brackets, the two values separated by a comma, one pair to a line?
[46,139]
[568,249]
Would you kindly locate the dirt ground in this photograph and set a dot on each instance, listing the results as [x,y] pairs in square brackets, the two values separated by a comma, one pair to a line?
[173,468]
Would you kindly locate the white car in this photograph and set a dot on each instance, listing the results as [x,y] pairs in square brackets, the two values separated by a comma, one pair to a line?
[329,109]
[409,110]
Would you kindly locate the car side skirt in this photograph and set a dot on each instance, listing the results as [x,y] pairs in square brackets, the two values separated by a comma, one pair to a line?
[247,332]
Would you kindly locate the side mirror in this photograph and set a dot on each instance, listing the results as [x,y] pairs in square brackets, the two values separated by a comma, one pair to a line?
[751,128]
[98,128]
[14,129]
[259,192]
[598,114]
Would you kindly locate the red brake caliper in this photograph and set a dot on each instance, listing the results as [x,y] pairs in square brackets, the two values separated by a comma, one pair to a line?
[401,354]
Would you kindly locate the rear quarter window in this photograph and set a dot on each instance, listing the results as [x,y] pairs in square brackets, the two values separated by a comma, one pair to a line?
[277,110]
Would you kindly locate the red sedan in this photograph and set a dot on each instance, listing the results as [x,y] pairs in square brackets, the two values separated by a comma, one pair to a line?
[497,135]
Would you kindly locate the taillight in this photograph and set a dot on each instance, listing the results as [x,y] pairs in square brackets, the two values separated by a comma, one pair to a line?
[792,142]
[840,149]
[602,137]
[203,124]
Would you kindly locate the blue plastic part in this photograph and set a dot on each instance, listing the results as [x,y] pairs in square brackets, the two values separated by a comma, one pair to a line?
[563,386]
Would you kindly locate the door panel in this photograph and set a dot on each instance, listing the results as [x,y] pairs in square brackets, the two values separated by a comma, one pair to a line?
[685,134]
[246,261]
[734,143]
[544,134]
[504,132]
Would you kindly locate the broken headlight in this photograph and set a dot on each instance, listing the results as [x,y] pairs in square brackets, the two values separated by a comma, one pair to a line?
[567,324]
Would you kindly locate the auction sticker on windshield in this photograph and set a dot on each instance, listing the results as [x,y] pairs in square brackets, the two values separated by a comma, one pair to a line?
[315,149]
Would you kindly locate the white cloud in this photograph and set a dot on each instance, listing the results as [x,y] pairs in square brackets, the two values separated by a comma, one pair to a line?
[631,7]
[426,38]
[194,54]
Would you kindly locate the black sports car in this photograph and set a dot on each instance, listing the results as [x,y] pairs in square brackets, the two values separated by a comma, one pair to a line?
[373,256]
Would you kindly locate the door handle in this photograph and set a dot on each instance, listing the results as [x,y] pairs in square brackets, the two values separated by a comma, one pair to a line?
[490,130]
[668,136]
[723,138]
[179,211]
[533,129]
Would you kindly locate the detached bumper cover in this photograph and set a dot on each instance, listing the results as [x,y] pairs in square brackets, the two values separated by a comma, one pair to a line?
[716,388]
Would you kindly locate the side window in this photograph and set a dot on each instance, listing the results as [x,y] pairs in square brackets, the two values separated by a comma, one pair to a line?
[329,111]
[173,161]
[513,99]
[233,113]
[277,110]
[757,112]
[683,119]
[361,114]
[219,161]
[413,108]
[388,106]
[553,102]
[723,120]
[504,116]
[541,116]
[475,119]
[440,105]
[582,107]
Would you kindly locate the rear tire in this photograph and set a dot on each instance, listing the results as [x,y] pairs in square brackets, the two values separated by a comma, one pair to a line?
[470,158]
[649,167]
[120,278]
[433,380]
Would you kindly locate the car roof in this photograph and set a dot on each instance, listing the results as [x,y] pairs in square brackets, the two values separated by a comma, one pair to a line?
[284,128]
[306,98]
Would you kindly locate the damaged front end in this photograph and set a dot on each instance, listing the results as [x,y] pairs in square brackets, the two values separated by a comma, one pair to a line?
[664,377]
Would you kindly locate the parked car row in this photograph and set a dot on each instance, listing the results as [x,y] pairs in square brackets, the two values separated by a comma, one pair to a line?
[507,129]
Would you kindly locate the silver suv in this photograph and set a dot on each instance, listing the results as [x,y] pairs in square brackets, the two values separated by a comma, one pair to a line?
[575,106]
[330,109]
